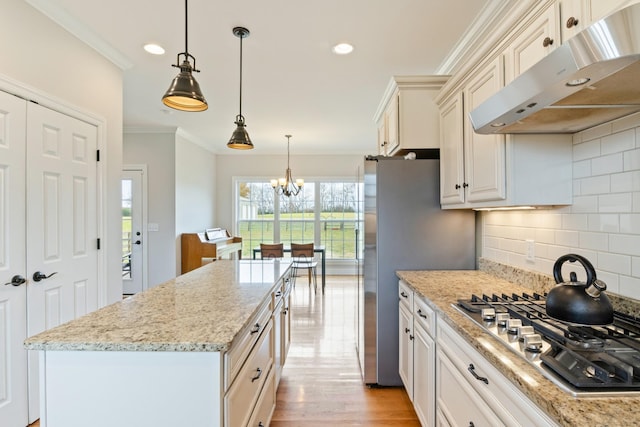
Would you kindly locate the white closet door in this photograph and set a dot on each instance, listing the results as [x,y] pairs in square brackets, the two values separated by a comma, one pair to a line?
[13,299]
[61,223]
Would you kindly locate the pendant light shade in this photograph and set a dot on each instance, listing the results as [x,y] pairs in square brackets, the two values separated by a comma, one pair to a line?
[184,93]
[240,139]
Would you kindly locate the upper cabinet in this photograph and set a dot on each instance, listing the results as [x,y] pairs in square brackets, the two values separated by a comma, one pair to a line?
[534,42]
[576,15]
[407,116]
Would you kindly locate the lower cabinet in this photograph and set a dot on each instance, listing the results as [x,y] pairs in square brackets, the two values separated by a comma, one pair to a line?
[424,355]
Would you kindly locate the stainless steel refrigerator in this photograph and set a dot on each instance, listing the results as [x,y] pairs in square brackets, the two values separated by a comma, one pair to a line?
[404,229]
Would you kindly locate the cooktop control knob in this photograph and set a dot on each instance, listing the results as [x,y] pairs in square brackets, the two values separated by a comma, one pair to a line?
[501,319]
[488,314]
[533,343]
[524,331]
[513,325]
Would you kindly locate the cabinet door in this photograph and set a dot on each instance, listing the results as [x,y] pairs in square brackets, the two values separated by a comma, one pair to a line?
[574,17]
[406,349]
[484,155]
[536,41]
[452,151]
[457,401]
[424,361]
[600,8]
[382,137]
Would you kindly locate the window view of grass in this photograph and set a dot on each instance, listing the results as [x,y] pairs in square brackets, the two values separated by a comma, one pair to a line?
[323,213]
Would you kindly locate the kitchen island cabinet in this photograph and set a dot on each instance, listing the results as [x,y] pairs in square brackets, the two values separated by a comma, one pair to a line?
[468,343]
[196,350]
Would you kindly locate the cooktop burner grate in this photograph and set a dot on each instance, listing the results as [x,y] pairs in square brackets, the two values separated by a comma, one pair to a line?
[583,360]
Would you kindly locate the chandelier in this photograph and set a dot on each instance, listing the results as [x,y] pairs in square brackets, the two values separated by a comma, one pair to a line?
[286,186]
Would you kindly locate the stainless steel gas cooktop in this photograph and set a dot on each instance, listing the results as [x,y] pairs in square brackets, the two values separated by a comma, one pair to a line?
[593,360]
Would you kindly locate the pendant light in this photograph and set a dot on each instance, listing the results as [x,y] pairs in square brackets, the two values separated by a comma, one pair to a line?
[287,186]
[184,93]
[240,138]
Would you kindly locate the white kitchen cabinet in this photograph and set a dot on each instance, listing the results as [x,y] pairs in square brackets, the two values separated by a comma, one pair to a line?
[405,353]
[574,17]
[407,116]
[424,357]
[492,171]
[489,398]
[534,42]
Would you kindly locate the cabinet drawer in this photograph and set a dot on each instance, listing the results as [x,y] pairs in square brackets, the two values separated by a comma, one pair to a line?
[245,390]
[457,401]
[506,400]
[266,404]
[243,344]
[425,315]
[405,294]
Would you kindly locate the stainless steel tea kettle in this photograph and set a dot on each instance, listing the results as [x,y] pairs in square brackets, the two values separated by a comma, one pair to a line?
[578,302]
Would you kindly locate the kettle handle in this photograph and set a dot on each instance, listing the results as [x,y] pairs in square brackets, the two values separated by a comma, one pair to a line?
[557,267]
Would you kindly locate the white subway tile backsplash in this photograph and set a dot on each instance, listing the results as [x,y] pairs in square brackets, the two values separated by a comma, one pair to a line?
[586,150]
[615,203]
[625,182]
[624,244]
[630,223]
[575,222]
[602,223]
[594,241]
[632,160]
[609,223]
[614,263]
[595,185]
[618,142]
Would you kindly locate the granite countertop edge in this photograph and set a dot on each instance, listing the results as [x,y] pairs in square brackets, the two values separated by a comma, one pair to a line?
[441,289]
[200,311]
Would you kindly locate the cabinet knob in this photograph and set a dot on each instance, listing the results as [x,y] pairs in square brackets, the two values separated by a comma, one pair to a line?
[457,186]
[572,22]
[547,42]
[465,185]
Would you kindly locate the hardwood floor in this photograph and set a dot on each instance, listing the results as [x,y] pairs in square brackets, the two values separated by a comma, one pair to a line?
[321,383]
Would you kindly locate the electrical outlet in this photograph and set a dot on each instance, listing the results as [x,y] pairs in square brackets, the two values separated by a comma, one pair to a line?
[531,250]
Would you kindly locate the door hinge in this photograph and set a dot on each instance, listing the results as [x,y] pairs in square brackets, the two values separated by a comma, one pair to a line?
[97,155]
[98,243]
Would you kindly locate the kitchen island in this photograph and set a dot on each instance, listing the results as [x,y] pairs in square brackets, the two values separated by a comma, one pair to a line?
[441,289]
[199,349]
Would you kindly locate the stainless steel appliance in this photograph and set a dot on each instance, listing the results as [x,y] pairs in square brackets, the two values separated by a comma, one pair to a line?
[590,79]
[583,360]
[404,229]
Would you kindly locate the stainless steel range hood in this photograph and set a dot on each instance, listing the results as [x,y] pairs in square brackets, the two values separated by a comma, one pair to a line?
[593,78]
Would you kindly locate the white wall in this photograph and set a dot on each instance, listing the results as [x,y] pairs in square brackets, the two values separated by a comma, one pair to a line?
[58,69]
[603,223]
[157,151]
[273,166]
[195,190]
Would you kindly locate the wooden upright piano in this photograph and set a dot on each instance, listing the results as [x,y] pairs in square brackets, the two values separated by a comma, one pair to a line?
[214,243]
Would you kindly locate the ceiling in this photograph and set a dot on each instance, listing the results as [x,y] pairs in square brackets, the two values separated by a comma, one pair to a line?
[292,82]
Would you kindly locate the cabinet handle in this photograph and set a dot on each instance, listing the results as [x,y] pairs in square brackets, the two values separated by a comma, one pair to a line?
[457,186]
[278,293]
[256,330]
[259,371]
[548,41]
[472,369]
[465,185]
[406,330]
[410,337]
[403,295]
[421,315]
[572,22]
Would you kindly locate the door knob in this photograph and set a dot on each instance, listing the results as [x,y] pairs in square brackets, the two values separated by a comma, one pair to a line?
[38,276]
[137,242]
[16,280]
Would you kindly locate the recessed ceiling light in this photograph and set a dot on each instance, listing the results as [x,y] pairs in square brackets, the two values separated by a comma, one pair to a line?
[154,49]
[343,49]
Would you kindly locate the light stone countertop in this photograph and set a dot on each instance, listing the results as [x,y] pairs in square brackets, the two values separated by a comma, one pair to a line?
[202,310]
[441,289]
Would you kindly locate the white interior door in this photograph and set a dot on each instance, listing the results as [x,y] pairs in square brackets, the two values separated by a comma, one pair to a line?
[13,299]
[133,238]
[61,231]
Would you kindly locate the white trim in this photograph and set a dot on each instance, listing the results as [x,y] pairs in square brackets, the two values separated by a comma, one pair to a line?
[61,17]
[32,94]
[145,201]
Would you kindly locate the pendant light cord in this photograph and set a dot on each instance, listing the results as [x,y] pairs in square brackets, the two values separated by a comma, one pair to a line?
[186,27]
[241,37]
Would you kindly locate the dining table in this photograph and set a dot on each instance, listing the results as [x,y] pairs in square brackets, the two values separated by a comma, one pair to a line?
[317,249]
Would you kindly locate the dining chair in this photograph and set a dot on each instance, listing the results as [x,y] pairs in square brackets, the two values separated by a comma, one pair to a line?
[272,250]
[303,258]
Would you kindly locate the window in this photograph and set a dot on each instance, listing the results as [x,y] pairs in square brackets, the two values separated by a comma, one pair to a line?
[325,213]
